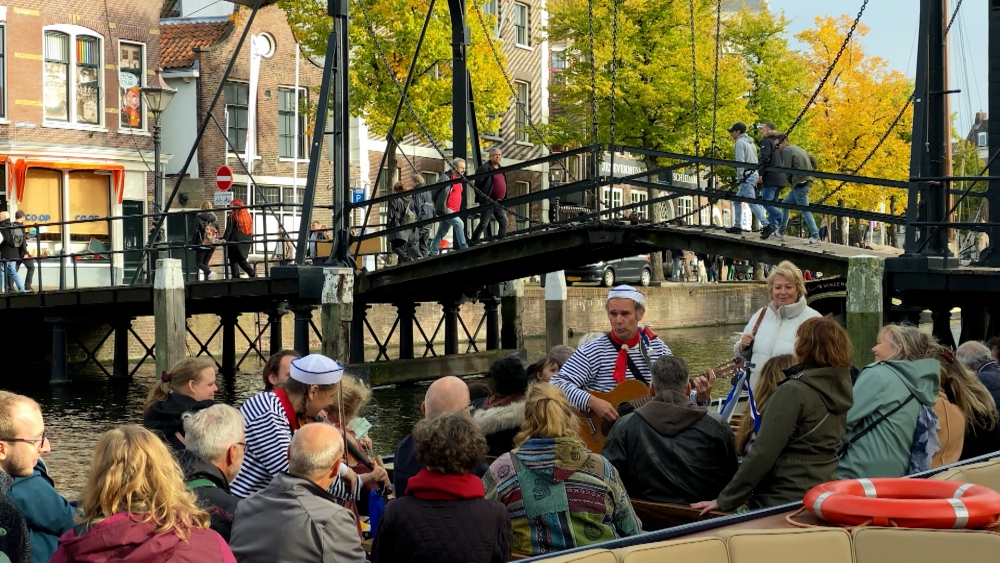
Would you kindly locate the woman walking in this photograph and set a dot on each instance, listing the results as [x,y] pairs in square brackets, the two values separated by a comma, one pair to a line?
[401,213]
[239,234]
[206,235]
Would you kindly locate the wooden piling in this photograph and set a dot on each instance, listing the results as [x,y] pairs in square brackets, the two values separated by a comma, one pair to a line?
[556,332]
[337,313]
[169,314]
[511,310]
[865,287]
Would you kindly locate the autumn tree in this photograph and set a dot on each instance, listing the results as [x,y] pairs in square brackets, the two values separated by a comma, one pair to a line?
[656,106]
[396,25]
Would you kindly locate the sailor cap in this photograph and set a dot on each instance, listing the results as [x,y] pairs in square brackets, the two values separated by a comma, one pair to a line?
[627,292]
[316,369]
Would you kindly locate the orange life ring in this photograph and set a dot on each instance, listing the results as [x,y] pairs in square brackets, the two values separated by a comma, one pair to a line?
[907,503]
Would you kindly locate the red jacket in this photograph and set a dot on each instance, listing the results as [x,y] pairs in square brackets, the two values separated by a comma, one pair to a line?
[121,539]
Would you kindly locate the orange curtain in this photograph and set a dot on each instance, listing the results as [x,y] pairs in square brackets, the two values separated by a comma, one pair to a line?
[17,180]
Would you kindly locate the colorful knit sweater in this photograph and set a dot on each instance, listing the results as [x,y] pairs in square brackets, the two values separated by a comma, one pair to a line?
[559,496]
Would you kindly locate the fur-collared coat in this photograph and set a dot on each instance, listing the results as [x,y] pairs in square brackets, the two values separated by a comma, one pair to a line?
[500,424]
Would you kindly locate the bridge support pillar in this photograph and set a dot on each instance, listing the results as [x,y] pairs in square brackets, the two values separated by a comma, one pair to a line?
[865,288]
[168,311]
[555,310]
[492,305]
[974,322]
[360,313]
[511,310]
[941,327]
[228,320]
[337,313]
[274,320]
[406,311]
[303,316]
[120,370]
[451,309]
[60,365]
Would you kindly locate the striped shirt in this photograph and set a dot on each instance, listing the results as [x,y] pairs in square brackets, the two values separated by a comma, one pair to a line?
[268,436]
[592,366]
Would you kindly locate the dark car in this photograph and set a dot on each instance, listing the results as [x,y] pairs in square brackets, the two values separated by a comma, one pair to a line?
[636,269]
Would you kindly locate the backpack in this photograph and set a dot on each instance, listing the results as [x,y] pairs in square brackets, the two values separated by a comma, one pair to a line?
[210,234]
[925,440]
[16,237]
[409,216]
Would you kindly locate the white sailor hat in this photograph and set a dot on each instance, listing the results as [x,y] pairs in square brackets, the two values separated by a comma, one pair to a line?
[627,292]
[316,369]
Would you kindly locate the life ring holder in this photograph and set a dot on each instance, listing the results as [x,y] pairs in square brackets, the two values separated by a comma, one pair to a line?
[903,503]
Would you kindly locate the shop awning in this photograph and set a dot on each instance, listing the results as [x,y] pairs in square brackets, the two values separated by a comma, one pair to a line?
[16,180]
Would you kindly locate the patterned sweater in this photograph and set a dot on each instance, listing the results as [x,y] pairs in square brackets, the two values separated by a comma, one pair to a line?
[559,496]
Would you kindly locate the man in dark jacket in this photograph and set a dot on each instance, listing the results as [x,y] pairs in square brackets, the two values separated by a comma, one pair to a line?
[47,513]
[214,454]
[22,443]
[295,518]
[771,182]
[670,450]
[12,249]
[448,394]
[976,356]
[423,208]
[494,187]
[26,258]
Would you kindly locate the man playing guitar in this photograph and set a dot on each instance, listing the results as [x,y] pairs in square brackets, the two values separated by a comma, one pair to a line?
[624,353]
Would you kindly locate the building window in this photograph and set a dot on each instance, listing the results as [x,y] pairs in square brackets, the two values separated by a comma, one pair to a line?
[684,207]
[88,80]
[492,7]
[558,59]
[982,140]
[611,198]
[131,70]
[521,25]
[521,188]
[266,222]
[523,107]
[637,197]
[288,103]
[429,178]
[72,77]
[56,89]
[237,112]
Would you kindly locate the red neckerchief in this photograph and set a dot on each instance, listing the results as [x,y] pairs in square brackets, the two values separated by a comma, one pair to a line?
[286,404]
[428,485]
[621,362]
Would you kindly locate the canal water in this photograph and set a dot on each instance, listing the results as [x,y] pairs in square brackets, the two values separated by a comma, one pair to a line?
[77,413]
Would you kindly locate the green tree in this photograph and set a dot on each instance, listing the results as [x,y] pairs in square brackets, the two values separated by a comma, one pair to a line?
[396,25]
[656,107]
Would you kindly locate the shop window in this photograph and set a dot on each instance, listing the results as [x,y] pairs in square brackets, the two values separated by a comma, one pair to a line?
[266,220]
[638,197]
[72,76]
[89,198]
[131,66]
[41,202]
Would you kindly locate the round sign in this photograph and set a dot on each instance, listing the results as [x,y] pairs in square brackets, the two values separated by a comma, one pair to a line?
[224,178]
[127,80]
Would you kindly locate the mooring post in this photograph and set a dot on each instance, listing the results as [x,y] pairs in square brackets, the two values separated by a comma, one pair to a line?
[511,309]
[358,332]
[555,310]
[228,320]
[941,328]
[303,316]
[451,309]
[169,315]
[120,370]
[492,305]
[337,313]
[406,311]
[274,320]
[60,366]
[865,286]
[974,322]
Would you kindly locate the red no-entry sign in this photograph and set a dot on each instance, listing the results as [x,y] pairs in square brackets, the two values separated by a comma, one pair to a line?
[224,178]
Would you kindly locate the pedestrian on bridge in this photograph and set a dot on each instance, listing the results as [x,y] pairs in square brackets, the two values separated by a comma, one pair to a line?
[423,207]
[489,192]
[401,213]
[746,177]
[796,157]
[238,235]
[771,182]
[12,249]
[448,201]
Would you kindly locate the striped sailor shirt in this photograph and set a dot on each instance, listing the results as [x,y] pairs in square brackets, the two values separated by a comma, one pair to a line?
[592,365]
[268,436]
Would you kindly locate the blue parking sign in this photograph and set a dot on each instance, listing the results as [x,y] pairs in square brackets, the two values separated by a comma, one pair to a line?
[357,195]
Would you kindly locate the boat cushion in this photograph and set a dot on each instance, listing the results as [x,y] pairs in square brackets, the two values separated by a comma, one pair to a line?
[702,550]
[589,556]
[986,474]
[881,545]
[819,545]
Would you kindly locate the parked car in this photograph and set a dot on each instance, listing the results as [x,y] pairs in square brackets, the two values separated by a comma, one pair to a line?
[636,269]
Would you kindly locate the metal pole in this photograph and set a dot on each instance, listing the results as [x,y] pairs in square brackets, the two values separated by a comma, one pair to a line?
[992,257]
[459,79]
[157,171]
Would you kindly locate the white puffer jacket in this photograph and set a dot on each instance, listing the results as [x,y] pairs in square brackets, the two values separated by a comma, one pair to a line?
[776,335]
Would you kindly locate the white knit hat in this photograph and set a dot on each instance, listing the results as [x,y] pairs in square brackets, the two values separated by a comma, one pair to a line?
[316,369]
[627,292]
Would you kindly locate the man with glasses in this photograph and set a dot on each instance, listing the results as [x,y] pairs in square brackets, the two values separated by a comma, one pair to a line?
[215,445]
[22,442]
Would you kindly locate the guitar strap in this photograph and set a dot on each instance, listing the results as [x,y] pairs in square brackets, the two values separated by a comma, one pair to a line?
[636,373]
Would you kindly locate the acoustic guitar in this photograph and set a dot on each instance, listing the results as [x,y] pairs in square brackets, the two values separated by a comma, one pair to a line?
[594,429]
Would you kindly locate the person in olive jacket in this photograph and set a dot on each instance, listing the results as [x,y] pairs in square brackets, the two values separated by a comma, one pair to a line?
[802,427]
[444,516]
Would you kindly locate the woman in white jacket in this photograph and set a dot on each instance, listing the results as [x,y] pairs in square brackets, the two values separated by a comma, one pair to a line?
[775,334]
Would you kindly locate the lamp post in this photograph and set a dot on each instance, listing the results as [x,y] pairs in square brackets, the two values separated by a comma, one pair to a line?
[555,178]
[157,96]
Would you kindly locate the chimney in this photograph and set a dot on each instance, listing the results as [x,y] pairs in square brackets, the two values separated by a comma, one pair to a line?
[980,116]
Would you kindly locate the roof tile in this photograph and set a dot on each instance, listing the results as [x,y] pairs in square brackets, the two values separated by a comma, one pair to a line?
[178,41]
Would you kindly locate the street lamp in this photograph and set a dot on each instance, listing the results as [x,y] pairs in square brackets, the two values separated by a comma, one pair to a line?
[157,96]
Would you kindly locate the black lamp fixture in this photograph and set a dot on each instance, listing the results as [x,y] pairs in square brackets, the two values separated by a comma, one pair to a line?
[157,95]
[555,175]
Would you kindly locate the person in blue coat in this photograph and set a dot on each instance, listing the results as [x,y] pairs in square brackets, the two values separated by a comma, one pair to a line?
[46,512]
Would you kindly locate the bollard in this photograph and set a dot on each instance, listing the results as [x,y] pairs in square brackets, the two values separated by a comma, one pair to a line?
[511,310]
[865,287]
[337,313]
[555,310]
[169,315]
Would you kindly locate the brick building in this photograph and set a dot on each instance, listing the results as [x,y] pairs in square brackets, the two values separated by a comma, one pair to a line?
[75,144]
[196,50]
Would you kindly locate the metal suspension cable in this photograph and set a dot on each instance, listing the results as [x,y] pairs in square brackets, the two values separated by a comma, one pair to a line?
[593,76]
[614,74]
[715,79]
[694,85]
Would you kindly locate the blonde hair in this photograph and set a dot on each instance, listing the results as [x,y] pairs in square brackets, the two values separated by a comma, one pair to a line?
[207,205]
[965,391]
[547,414]
[188,369]
[908,341]
[355,395]
[771,374]
[790,272]
[132,471]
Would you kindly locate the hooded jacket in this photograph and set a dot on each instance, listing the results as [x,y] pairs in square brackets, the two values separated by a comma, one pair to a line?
[397,218]
[770,155]
[797,443]
[293,519]
[500,420]
[47,514]
[745,150]
[882,386]
[13,530]
[776,334]
[7,251]
[670,450]
[796,157]
[164,417]
[212,490]
[120,538]
[445,519]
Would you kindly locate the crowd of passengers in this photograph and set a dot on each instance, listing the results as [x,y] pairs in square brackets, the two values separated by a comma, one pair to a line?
[488,474]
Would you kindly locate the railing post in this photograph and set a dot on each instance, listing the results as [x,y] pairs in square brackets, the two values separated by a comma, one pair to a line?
[865,287]
[60,367]
[303,315]
[451,308]
[169,313]
[359,315]
[274,319]
[337,313]
[120,371]
[406,311]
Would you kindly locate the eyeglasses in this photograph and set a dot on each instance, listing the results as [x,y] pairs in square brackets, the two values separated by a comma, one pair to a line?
[36,441]
[244,444]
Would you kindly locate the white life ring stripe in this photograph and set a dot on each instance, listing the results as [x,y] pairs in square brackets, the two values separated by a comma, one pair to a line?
[817,505]
[869,488]
[961,512]
[961,490]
